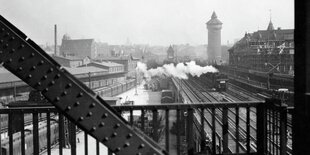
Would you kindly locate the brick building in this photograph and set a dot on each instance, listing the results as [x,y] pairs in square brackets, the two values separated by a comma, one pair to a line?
[78,47]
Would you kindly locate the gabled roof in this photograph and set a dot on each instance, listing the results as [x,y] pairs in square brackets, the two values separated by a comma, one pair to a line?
[263,36]
[287,34]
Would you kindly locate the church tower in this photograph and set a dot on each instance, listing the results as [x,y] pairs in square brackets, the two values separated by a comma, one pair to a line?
[214,27]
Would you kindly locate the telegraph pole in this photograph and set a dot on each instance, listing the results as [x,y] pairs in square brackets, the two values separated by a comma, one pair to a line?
[136,83]
[270,72]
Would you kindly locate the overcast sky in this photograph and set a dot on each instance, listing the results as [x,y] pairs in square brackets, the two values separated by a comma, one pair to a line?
[154,22]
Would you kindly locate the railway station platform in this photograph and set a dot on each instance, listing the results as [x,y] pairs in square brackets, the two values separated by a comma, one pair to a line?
[139,96]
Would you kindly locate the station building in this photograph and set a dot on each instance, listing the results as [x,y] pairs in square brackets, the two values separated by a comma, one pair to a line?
[129,62]
[265,50]
[72,61]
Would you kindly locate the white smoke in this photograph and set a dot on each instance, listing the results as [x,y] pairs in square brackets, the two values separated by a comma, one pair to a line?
[180,71]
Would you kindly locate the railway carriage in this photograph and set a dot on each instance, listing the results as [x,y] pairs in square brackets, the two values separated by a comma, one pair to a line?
[29,141]
[115,89]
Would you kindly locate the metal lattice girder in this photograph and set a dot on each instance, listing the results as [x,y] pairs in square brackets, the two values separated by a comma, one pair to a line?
[29,62]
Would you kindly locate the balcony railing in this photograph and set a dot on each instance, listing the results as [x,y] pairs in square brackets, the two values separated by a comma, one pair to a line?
[218,128]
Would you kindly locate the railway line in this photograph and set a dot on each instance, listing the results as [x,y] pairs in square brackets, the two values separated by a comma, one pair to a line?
[203,93]
[237,93]
[216,97]
[272,119]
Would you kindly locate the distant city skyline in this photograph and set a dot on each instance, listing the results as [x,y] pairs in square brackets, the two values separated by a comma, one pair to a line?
[157,22]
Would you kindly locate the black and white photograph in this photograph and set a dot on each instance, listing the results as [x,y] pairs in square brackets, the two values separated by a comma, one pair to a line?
[154,77]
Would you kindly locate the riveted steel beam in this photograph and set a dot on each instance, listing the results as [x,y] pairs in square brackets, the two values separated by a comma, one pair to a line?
[22,57]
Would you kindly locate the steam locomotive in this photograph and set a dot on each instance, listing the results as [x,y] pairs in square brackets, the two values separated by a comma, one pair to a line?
[218,81]
[167,96]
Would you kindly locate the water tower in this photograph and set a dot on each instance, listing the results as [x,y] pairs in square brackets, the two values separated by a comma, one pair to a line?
[214,27]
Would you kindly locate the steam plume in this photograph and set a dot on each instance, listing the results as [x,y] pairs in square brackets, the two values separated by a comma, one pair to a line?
[180,71]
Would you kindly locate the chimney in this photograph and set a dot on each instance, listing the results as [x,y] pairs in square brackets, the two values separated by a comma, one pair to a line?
[55,30]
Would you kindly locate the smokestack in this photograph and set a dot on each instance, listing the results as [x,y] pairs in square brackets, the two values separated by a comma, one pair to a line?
[55,30]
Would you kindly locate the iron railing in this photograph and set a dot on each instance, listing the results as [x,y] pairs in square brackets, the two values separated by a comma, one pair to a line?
[208,128]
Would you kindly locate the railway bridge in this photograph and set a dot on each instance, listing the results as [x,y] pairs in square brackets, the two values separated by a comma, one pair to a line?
[235,123]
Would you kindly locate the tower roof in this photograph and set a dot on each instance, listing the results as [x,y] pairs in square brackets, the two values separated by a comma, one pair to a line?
[214,20]
[270,26]
[213,15]
[170,49]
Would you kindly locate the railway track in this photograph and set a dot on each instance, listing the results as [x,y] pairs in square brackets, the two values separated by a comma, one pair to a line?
[208,116]
[216,97]
[196,99]
[200,88]
[275,127]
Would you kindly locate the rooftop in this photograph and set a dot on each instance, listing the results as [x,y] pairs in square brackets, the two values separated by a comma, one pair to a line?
[83,70]
[105,64]
[270,34]
[76,44]
[214,20]
[6,76]
[72,58]
[110,64]
[123,57]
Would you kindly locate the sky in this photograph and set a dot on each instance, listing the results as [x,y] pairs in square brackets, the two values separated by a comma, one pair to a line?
[153,22]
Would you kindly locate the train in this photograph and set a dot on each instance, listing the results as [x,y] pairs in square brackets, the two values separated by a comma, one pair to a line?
[167,96]
[29,140]
[116,89]
[217,80]
[157,84]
